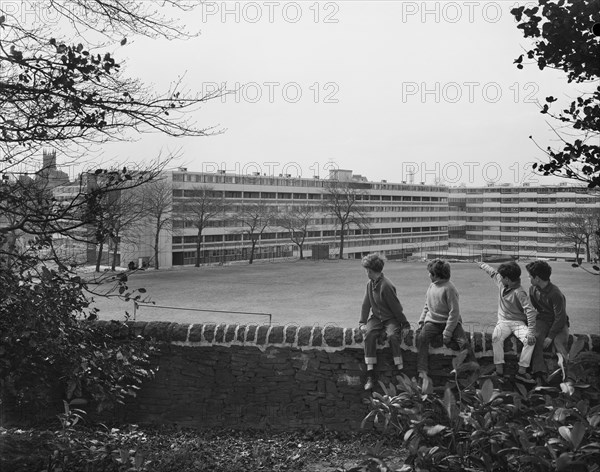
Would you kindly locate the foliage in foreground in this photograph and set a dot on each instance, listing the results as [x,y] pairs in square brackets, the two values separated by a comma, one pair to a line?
[474,426]
[47,345]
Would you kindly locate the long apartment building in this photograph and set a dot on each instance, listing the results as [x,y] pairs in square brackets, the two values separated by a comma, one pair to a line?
[401,219]
[515,221]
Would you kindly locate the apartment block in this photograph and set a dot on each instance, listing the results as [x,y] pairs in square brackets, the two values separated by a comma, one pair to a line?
[402,219]
[515,221]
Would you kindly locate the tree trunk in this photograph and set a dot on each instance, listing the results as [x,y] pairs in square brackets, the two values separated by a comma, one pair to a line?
[588,253]
[156,237]
[114,258]
[198,247]
[99,256]
[342,243]
[252,252]
[301,253]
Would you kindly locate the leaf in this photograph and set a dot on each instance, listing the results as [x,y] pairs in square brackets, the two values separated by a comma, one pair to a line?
[366,418]
[577,434]
[487,391]
[450,404]
[560,414]
[427,387]
[525,444]
[574,435]
[583,406]
[521,388]
[123,41]
[433,430]
[458,360]
[139,460]
[594,420]
[577,346]
[567,388]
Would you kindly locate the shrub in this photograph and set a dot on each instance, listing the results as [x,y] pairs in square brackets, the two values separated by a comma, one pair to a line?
[480,427]
[47,342]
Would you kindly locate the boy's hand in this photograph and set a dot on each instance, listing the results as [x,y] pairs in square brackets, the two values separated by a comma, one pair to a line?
[530,339]
[446,339]
[547,342]
[362,327]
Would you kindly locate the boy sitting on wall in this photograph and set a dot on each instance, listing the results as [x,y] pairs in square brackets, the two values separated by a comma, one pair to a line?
[441,314]
[516,316]
[386,314]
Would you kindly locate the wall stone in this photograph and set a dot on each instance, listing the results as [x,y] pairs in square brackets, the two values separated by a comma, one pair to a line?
[262,376]
[281,377]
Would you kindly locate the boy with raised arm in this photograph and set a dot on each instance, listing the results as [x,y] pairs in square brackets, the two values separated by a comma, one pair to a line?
[516,316]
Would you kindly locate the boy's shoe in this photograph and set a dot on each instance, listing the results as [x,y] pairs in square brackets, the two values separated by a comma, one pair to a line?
[525,378]
[370,383]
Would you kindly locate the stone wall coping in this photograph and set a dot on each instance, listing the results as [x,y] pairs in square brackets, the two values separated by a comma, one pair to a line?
[328,338]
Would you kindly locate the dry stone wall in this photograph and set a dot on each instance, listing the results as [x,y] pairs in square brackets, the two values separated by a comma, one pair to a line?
[261,376]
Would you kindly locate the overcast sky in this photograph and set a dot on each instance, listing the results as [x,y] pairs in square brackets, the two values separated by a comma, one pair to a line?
[385,88]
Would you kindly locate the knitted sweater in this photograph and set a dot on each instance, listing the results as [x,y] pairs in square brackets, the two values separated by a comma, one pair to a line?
[381,299]
[513,301]
[551,306]
[441,305]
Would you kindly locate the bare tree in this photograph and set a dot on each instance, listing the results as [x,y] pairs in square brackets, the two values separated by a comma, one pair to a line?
[297,222]
[126,213]
[577,228]
[72,96]
[157,203]
[255,218]
[57,93]
[200,207]
[343,200]
[596,234]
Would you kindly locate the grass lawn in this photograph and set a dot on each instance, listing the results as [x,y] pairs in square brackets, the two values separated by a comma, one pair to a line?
[308,293]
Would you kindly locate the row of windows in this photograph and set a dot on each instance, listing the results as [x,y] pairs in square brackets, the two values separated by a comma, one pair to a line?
[538,239]
[289,181]
[515,248]
[512,229]
[543,201]
[311,234]
[514,209]
[509,190]
[195,193]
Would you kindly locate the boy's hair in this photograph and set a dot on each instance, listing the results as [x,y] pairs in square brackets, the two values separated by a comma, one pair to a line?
[439,268]
[511,270]
[374,262]
[539,269]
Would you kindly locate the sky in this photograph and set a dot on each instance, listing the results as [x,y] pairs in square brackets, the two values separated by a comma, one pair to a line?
[393,90]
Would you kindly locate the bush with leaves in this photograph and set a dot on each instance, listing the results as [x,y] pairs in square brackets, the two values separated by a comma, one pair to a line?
[47,340]
[480,427]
